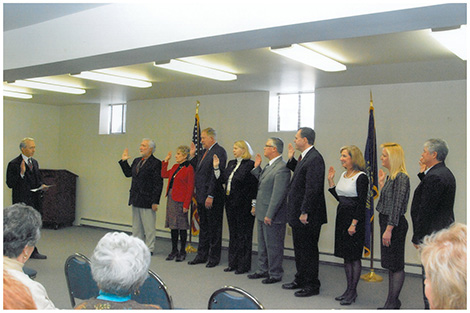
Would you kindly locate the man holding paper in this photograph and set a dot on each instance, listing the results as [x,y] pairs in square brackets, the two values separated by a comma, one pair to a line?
[25,180]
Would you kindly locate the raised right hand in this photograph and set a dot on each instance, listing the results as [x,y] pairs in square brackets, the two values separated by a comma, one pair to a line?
[382,176]
[168,157]
[215,161]
[125,155]
[291,151]
[192,149]
[331,176]
[258,160]
[22,167]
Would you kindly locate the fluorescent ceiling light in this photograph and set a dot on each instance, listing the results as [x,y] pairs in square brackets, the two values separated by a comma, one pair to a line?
[48,87]
[198,70]
[304,55]
[453,39]
[113,79]
[18,95]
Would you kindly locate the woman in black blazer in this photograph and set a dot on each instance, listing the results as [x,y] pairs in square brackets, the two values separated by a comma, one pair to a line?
[240,189]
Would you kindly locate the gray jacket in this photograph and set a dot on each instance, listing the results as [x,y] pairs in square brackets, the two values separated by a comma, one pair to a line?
[273,183]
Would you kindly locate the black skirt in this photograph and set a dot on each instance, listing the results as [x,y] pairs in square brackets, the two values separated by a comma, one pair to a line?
[348,247]
[393,257]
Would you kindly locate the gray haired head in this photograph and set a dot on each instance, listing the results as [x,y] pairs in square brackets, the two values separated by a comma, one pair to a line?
[278,143]
[120,263]
[152,144]
[439,146]
[21,228]
[23,142]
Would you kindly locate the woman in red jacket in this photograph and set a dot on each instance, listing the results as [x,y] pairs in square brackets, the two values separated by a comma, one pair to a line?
[179,192]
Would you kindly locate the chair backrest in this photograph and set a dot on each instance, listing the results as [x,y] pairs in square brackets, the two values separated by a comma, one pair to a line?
[79,279]
[154,291]
[230,297]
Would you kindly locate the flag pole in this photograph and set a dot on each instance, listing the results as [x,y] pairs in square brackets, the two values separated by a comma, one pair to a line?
[189,247]
[372,276]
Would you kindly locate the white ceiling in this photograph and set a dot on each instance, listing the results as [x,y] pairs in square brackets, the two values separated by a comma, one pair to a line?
[377,48]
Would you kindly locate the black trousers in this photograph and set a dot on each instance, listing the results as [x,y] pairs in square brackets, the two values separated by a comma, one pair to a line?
[240,227]
[210,231]
[306,255]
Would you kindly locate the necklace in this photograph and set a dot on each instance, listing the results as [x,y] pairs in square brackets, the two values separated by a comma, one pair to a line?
[350,175]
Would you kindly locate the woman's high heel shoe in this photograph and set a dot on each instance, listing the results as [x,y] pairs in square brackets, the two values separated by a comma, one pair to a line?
[342,297]
[349,300]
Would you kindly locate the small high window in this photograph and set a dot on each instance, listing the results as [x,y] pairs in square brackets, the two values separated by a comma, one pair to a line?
[289,112]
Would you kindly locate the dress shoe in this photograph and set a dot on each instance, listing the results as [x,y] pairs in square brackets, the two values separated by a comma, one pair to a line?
[307,292]
[258,275]
[292,285]
[270,280]
[181,257]
[349,299]
[229,269]
[211,264]
[196,261]
[238,272]
[394,306]
[39,256]
[171,256]
[342,297]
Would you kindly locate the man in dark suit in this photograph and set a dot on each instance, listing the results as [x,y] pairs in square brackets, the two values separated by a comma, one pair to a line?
[145,192]
[271,211]
[306,211]
[23,176]
[432,208]
[209,198]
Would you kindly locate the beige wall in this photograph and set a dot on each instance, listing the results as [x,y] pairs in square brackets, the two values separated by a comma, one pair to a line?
[67,137]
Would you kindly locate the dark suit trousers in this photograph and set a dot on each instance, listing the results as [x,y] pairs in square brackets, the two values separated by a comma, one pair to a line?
[210,234]
[306,255]
[240,226]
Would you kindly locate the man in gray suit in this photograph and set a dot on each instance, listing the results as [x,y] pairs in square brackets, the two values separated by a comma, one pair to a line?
[271,211]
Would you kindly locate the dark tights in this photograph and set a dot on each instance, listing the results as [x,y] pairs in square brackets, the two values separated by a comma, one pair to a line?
[183,234]
[395,283]
[353,274]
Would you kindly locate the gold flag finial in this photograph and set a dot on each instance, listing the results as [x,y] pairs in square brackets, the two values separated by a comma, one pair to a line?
[197,107]
[371,102]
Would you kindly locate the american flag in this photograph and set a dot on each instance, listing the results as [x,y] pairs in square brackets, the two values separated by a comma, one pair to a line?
[197,142]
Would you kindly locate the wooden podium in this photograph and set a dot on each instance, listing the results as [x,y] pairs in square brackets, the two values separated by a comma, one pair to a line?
[58,205]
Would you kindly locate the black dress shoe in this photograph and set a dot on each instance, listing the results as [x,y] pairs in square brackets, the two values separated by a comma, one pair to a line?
[342,297]
[349,299]
[181,257]
[39,256]
[211,264]
[258,275]
[229,269]
[270,280]
[238,272]
[307,292]
[30,272]
[196,261]
[171,256]
[292,285]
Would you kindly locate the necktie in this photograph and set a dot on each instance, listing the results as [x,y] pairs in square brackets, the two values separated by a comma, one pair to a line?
[139,165]
[30,164]
[300,158]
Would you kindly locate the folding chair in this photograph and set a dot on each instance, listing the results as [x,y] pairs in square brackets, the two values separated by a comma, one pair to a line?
[154,291]
[80,283]
[235,298]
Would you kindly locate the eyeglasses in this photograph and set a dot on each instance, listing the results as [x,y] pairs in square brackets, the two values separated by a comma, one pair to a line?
[268,146]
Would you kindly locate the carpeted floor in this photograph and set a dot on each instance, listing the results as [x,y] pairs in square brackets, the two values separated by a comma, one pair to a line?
[191,285]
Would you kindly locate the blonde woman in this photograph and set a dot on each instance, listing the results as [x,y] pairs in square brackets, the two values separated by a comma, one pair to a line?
[444,257]
[240,189]
[394,195]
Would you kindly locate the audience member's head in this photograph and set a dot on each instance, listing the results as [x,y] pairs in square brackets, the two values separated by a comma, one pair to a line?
[16,296]
[21,231]
[444,257]
[120,263]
